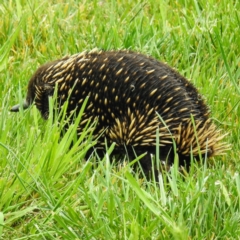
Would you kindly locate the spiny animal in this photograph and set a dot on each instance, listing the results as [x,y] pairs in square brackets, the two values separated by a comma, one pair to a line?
[131,96]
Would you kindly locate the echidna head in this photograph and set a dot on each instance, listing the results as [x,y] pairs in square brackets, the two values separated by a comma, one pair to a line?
[38,92]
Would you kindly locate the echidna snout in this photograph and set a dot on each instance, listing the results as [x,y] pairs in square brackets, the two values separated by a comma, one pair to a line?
[127,93]
[17,107]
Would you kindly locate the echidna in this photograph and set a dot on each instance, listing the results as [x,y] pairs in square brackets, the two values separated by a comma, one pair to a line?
[131,95]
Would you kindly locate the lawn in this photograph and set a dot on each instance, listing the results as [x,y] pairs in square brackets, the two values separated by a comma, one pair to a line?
[49,191]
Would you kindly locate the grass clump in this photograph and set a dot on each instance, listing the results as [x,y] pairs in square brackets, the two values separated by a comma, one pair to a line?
[49,191]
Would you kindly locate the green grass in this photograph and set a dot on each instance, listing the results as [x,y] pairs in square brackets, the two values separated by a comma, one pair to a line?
[50,192]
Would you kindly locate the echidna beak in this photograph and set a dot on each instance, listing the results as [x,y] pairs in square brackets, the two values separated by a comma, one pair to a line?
[17,107]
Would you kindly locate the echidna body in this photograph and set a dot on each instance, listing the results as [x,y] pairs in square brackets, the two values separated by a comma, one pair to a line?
[131,96]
